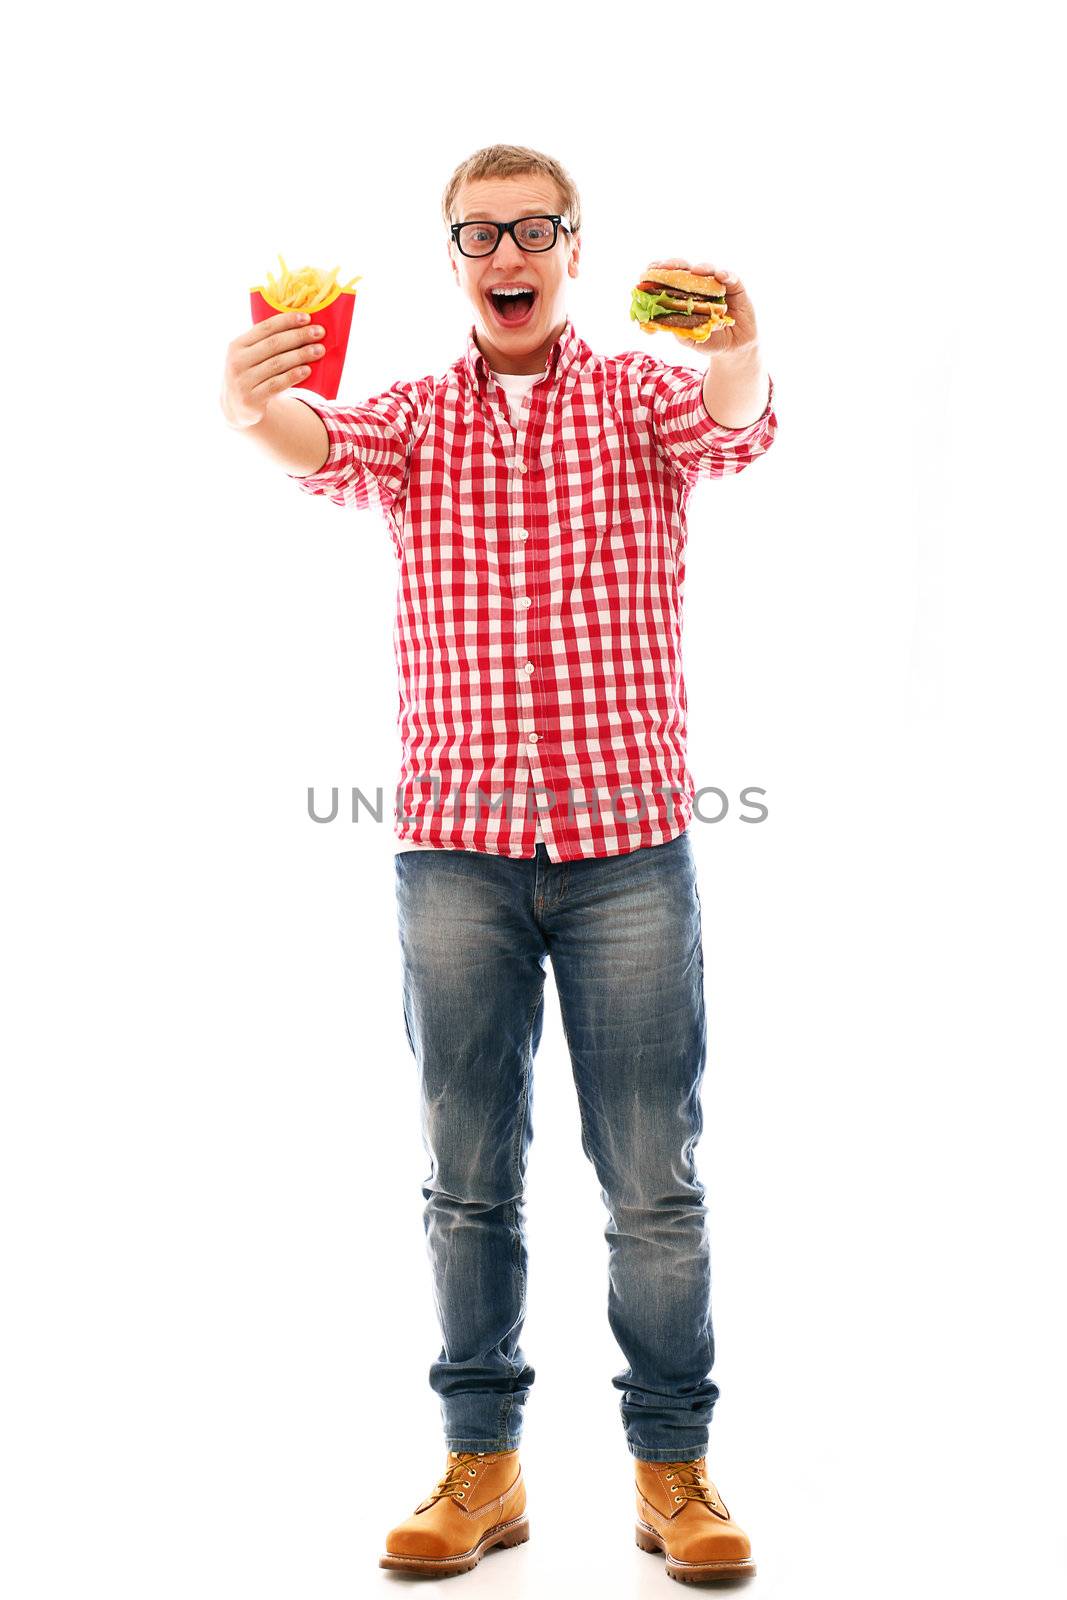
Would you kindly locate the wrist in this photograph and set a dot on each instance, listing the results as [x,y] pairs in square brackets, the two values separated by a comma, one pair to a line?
[736,388]
[749,356]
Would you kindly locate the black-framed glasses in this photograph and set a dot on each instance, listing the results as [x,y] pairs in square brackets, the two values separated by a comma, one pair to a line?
[529,233]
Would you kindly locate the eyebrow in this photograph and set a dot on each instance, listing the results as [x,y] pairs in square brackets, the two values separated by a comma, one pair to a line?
[483,216]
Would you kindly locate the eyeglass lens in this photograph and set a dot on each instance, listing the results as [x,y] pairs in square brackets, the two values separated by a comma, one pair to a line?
[533,233]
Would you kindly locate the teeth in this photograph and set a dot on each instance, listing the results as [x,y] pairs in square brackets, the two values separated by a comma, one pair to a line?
[511,291]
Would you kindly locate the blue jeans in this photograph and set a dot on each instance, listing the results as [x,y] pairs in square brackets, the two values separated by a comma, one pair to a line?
[624,936]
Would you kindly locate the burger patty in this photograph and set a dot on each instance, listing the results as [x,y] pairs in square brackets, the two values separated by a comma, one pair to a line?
[678,319]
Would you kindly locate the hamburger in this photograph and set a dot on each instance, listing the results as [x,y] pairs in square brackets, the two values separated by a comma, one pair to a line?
[690,304]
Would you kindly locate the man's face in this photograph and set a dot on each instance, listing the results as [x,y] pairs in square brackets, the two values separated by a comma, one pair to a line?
[525,346]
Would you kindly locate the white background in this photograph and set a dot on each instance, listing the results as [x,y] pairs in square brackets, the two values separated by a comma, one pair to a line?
[218,1318]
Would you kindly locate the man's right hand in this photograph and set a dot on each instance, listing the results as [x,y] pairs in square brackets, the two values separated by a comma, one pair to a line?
[271,357]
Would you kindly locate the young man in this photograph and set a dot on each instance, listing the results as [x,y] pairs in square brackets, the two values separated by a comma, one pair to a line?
[536,494]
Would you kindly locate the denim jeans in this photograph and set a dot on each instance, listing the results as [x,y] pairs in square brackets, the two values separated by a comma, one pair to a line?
[624,937]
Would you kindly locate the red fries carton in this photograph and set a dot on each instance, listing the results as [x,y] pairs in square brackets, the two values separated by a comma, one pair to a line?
[335,317]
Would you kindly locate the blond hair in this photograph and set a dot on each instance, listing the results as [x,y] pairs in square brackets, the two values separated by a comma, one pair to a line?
[513,161]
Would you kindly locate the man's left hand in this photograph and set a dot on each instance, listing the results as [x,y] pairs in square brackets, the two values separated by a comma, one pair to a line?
[738,306]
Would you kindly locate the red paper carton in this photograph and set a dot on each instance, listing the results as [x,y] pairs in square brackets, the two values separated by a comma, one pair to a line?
[335,316]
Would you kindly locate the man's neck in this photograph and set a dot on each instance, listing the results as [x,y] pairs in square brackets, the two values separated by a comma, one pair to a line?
[533,362]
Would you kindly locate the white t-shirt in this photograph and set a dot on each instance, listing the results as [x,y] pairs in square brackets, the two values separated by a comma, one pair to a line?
[516,385]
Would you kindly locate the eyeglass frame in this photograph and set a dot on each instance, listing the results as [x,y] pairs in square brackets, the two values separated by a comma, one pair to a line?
[509,227]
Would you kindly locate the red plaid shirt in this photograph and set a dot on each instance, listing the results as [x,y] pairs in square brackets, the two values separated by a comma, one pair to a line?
[538,629]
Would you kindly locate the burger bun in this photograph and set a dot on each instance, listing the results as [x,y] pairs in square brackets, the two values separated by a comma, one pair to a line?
[690,282]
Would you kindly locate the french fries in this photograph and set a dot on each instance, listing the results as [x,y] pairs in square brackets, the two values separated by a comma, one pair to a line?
[304,290]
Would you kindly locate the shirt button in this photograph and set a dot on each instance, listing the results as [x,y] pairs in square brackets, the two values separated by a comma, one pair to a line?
[532,737]
[522,533]
[524,600]
[522,466]
[528,667]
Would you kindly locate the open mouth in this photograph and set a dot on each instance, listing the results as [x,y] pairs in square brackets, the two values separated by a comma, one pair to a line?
[512,309]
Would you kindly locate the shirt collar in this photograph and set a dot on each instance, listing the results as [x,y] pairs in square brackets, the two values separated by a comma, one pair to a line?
[563,352]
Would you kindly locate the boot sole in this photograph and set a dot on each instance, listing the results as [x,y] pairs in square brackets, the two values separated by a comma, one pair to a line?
[504,1534]
[691,1571]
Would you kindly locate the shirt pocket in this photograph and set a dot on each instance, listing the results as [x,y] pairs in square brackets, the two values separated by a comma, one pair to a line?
[587,478]
[598,501]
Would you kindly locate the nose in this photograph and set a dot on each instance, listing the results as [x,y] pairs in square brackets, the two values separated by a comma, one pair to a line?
[508,252]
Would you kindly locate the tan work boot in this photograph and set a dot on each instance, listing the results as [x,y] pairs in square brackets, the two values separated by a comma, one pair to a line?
[479,1501]
[680,1514]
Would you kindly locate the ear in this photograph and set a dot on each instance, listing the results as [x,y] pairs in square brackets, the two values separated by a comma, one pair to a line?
[576,246]
[452,262]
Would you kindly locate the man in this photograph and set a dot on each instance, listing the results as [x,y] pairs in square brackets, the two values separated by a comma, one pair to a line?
[536,494]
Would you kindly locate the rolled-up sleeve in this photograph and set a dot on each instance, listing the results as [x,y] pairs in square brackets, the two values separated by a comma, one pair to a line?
[690,440]
[370,446]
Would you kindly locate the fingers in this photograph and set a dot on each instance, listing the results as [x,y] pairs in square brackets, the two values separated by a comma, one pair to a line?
[728,279]
[280,323]
[269,342]
[289,348]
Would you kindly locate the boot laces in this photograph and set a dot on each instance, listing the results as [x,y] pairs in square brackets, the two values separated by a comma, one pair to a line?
[688,1480]
[458,1475]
